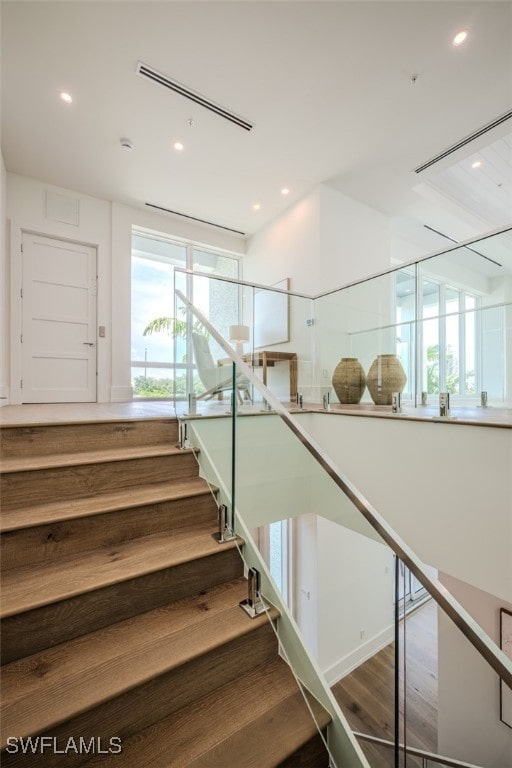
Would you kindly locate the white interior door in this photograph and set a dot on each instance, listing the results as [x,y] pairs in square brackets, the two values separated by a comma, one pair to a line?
[58,321]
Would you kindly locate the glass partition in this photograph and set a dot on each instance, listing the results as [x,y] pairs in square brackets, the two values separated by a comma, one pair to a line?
[372,322]
[382,642]
[442,324]
[396,663]
[271,328]
[464,348]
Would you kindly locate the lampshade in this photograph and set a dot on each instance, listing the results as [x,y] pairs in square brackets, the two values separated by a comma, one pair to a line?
[239,333]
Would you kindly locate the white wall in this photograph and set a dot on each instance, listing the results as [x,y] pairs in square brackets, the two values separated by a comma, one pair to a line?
[354,240]
[445,488]
[355,598]
[288,247]
[26,210]
[469,727]
[107,226]
[322,242]
[4,291]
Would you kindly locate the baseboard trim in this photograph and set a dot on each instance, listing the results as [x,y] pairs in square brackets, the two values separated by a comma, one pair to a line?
[358,656]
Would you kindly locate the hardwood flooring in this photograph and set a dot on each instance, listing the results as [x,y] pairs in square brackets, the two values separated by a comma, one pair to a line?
[29,414]
[121,611]
[366,695]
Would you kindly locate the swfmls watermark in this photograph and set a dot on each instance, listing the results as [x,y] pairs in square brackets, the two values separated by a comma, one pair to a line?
[79,745]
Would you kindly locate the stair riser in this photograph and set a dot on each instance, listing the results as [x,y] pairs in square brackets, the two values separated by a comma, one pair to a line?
[312,755]
[20,489]
[158,698]
[50,625]
[29,546]
[69,438]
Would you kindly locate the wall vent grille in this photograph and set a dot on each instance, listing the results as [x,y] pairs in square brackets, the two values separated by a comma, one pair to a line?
[152,74]
[463,142]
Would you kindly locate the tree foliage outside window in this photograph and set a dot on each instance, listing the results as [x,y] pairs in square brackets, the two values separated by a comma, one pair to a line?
[451,372]
[150,386]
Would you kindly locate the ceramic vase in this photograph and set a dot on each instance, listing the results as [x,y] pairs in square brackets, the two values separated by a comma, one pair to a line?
[385,376]
[349,380]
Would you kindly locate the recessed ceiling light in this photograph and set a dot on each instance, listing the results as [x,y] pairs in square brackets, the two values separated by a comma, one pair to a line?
[285,191]
[460,37]
[66,97]
[178,146]
[256,206]
[476,164]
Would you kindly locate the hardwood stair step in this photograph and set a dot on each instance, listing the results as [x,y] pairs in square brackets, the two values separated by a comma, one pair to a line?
[27,487]
[255,721]
[76,459]
[32,587]
[48,531]
[52,512]
[37,439]
[45,605]
[60,686]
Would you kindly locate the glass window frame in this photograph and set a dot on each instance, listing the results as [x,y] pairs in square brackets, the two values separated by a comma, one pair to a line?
[441,318]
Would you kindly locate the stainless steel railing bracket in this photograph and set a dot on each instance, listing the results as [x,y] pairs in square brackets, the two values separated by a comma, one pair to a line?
[253,604]
[225,532]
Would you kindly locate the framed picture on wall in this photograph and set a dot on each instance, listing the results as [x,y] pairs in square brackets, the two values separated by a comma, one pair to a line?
[506,647]
[272,315]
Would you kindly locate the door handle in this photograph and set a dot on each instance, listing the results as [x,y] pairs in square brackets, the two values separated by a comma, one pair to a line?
[89,343]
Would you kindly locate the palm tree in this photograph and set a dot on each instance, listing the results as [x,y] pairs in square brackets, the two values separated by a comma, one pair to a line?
[173,326]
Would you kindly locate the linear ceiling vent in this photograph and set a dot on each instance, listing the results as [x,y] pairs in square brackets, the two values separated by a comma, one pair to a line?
[193,218]
[173,85]
[463,142]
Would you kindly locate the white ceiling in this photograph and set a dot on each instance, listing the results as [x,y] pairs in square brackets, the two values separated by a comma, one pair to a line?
[327,85]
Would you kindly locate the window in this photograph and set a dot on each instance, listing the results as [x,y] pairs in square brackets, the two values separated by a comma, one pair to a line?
[273,541]
[448,334]
[448,339]
[161,357]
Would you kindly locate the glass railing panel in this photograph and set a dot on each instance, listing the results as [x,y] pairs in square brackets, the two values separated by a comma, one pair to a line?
[367,321]
[311,718]
[271,328]
[284,487]
[211,394]
[474,359]
[464,300]
[343,597]
[282,342]
[451,695]
[323,559]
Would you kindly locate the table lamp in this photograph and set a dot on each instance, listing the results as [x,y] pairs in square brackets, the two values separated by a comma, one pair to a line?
[239,334]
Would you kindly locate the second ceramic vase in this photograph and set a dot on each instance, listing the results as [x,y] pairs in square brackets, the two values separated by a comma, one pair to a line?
[385,376]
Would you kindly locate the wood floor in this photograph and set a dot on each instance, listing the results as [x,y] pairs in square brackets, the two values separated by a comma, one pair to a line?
[367,699]
[153,409]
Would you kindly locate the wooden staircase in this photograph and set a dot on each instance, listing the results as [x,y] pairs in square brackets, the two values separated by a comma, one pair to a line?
[123,643]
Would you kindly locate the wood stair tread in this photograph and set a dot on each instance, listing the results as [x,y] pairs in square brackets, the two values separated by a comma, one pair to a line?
[58,460]
[85,506]
[255,721]
[45,689]
[30,587]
